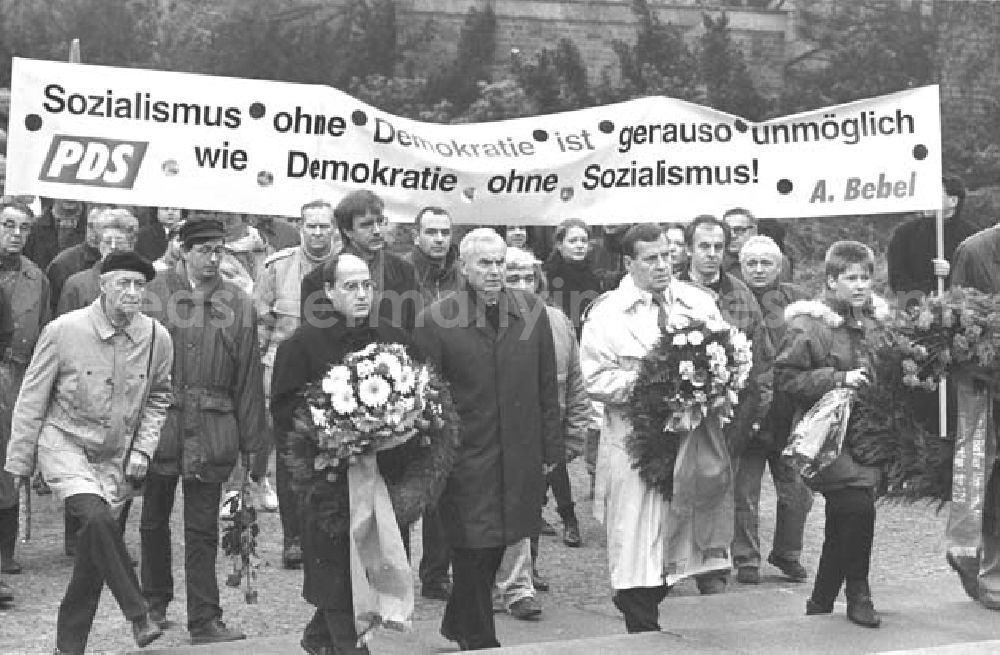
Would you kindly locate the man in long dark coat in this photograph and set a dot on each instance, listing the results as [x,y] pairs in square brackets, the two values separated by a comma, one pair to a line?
[494,346]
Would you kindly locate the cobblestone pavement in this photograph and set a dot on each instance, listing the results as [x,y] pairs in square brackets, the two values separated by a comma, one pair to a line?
[908,545]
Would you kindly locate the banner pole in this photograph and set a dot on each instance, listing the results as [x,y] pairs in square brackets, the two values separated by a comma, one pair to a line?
[943,387]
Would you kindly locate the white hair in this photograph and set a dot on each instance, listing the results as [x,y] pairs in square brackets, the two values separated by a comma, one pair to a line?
[476,239]
[520,257]
[760,244]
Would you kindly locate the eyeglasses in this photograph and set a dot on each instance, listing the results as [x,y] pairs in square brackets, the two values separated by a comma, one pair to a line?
[205,249]
[527,278]
[370,222]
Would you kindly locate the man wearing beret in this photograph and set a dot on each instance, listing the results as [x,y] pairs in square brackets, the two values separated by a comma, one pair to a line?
[92,403]
[217,415]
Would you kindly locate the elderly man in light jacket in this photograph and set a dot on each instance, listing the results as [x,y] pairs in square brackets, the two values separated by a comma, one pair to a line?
[652,542]
[91,406]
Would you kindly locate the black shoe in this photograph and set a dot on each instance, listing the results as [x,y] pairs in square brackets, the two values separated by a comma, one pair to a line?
[314,649]
[813,608]
[547,529]
[791,568]
[436,590]
[571,535]
[968,578]
[538,582]
[159,617]
[6,593]
[525,609]
[861,611]
[291,555]
[714,584]
[145,631]
[214,632]
[748,575]
[10,566]
[463,643]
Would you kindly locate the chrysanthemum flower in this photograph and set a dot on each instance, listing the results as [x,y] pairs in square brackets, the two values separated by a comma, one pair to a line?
[374,391]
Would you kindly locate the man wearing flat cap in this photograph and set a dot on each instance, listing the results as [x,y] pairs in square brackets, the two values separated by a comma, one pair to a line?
[91,406]
[217,416]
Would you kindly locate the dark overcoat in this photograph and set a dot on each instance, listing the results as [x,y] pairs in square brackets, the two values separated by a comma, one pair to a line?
[505,388]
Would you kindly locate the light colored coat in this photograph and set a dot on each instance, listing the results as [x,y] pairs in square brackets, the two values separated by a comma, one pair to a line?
[621,329]
[277,297]
[82,400]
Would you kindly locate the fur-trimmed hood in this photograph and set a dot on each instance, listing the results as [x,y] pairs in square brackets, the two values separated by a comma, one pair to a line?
[879,311]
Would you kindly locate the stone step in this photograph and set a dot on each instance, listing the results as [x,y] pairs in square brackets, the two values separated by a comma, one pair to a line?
[928,615]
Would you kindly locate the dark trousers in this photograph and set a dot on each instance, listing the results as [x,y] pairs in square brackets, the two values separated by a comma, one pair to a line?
[333,628]
[558,481]
[641,607]
[847,547]
[436,559]
[288,500]
[201,545]
[794,502]
[100,558]
[8,532]
[71,524]
[468,616]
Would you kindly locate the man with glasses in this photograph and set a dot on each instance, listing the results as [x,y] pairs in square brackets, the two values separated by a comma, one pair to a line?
[217,416]
[277,301]
[24,310]
[743,225]
[116,230]
[94,398]
[362,225]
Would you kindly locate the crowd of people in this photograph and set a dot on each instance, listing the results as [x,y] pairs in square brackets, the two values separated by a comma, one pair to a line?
[144,348]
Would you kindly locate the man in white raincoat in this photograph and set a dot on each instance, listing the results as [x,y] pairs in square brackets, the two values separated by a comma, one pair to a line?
[91,406]
[652,543]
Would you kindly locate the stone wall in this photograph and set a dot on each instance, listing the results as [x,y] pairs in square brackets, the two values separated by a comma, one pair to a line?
[526,26]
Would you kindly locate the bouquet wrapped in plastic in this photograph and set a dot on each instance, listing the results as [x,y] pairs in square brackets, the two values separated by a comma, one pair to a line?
[819,435]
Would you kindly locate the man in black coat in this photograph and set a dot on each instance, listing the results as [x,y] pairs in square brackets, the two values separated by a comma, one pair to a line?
[305,357]
[362,224]
[494,347]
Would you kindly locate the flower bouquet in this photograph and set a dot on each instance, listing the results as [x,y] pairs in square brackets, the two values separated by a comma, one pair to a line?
[690,373]
[239,539]
[376,400]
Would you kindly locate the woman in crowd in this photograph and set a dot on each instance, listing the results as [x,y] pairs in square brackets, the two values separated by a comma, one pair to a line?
[573,283]
[826,346]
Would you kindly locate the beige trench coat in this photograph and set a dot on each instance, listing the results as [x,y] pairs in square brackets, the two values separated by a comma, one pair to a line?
[650,543]
[82,400]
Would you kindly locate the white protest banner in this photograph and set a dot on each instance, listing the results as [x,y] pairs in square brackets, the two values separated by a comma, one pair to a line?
[142,137]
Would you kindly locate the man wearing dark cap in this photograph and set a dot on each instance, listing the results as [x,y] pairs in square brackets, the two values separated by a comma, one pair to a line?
[217,415]
[91,406]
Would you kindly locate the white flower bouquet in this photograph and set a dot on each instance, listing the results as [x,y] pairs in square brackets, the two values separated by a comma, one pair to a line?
[376,399]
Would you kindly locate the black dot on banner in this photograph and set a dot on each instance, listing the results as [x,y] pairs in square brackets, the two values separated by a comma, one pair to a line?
[33,122]
[257,110]
[566,193]
[359,117]
[170,167]
[265,178]
[920,151]
[740,126]
[469,194]
[785,186]
[540,135]
[606,126]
